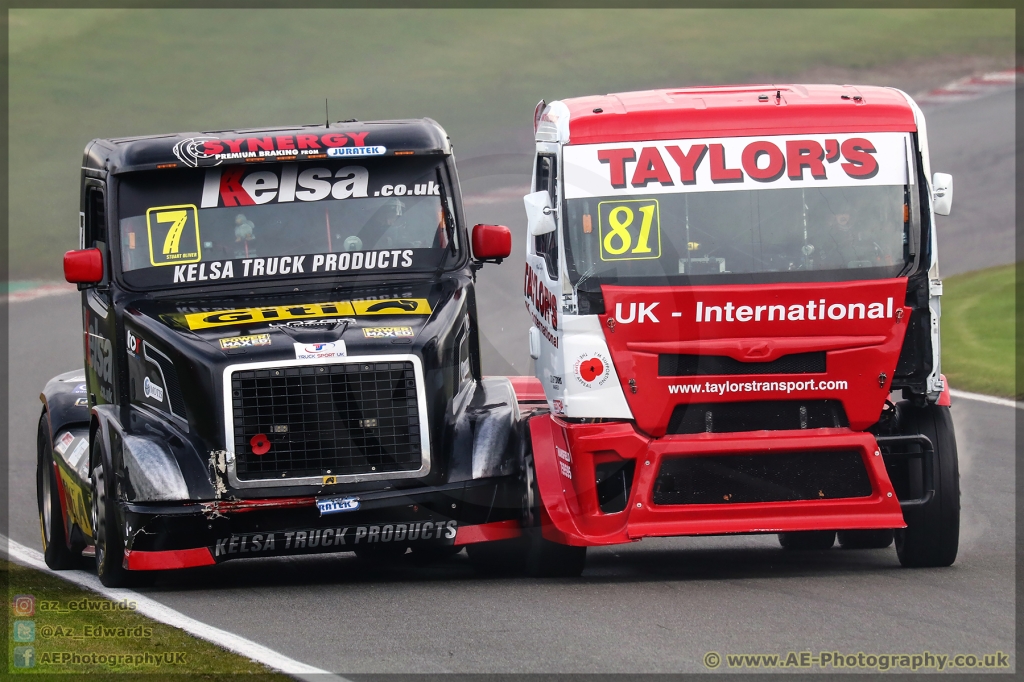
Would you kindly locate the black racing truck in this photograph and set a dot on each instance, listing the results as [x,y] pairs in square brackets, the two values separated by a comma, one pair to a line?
[281,355]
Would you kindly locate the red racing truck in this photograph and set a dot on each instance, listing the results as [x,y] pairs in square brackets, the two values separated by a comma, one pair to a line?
[735,301]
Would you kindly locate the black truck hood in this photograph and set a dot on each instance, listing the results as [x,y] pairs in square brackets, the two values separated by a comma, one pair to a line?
[356,321]
[179,350]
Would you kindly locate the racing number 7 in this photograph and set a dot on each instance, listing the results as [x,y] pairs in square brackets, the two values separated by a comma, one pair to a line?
[179,218]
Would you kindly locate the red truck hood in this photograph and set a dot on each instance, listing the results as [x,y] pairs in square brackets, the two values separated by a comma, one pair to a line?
[859,326]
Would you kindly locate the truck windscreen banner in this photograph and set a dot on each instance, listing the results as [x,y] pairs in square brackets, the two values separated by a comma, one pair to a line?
[223,225]
[735,163]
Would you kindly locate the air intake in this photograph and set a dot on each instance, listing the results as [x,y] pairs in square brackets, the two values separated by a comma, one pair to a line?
[766,477]
[703,365]
[768,415]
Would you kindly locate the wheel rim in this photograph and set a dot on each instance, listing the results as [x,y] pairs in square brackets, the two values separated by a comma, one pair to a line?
[46,511]
[529,499]
[97,517]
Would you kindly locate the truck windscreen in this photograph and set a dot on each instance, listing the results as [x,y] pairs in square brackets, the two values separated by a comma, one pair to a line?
[739,210]
[230,224]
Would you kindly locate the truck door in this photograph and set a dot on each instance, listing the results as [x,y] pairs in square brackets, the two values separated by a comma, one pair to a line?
[97,305]
[542,284]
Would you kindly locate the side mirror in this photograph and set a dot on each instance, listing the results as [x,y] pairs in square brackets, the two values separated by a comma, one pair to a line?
[942,193]
[84,266]
[540,216]
[491,242]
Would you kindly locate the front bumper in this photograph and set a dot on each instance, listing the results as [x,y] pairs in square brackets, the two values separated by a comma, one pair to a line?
[163,537]
[567,457]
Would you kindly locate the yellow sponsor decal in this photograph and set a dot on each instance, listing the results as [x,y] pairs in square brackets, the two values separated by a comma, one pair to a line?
[173,235]
[77,513]
[245,341]
[388,332]
[330,480]
[303,311]
[299,311]
[393,306]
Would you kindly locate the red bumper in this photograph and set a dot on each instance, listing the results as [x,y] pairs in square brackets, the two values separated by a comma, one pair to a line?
[573,515]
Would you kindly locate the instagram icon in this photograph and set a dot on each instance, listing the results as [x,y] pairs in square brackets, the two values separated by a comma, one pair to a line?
[23,605]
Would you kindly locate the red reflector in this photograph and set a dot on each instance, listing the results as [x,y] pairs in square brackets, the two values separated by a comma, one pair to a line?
[170,559]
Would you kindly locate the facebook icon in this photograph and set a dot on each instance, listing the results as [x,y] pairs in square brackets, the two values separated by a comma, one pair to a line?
[24,657]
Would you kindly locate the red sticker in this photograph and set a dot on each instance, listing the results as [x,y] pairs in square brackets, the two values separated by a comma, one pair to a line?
[591,369]
[260,444]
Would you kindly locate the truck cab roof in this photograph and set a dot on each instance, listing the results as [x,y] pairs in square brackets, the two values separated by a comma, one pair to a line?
[255,145]
[734,110]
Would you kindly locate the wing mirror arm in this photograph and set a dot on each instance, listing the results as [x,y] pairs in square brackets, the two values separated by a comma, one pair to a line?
[540,215]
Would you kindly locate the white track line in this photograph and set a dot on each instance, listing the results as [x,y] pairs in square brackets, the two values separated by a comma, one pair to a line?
[164,614]
[981,398]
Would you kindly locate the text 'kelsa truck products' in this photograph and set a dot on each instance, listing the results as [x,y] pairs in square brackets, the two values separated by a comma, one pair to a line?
[727,284]
[281,355]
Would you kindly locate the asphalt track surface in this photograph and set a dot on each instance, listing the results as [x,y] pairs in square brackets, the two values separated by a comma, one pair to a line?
[652,606]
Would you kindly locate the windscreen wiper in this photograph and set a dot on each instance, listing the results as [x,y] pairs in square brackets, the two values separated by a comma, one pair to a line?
[449,220]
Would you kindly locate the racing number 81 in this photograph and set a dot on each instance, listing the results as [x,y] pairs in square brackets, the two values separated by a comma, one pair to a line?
[629,229]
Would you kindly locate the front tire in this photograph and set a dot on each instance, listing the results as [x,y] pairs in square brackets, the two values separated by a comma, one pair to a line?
[865,539]
[56,552]
[932,535]
[107,529]
[544,558]
[499,557]
[807,540]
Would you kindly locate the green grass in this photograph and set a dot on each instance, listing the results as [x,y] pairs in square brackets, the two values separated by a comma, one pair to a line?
[120,632]
[978,336]
[79,74]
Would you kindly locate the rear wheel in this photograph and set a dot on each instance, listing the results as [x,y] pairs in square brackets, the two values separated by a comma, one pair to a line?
[808,540]
[932,535]
[56,552]
[545,558]
[865,539]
